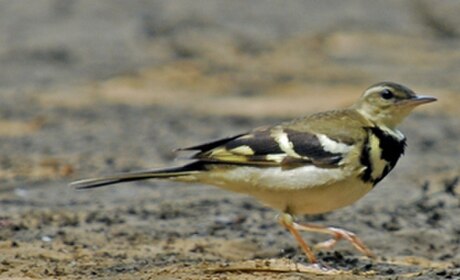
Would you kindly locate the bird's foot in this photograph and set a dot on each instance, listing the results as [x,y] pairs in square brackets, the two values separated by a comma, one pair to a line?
[337,235]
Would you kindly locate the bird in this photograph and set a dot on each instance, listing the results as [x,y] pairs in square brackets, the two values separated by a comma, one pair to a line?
[310,165]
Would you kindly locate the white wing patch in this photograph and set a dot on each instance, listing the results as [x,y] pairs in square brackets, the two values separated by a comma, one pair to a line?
[276,157]
[285,144]
[332,146]
[243,150]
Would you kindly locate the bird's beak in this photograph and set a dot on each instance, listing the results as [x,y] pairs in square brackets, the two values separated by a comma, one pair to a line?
[419,100]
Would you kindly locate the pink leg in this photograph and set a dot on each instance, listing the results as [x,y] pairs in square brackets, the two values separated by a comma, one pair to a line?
[287,221]
[337,234]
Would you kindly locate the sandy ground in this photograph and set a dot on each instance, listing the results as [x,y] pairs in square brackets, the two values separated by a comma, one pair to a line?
[90,88]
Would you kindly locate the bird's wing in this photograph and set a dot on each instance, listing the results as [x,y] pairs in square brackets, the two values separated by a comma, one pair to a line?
[274,146]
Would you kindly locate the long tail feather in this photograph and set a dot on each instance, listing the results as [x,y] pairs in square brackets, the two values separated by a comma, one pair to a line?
[192,168]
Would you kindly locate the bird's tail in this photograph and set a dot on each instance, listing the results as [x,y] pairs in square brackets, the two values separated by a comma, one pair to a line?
[167,173]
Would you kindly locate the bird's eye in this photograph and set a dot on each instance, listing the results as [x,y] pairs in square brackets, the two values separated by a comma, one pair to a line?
[386,94]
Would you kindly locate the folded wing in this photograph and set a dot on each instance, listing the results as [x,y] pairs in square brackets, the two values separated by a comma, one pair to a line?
[274,146]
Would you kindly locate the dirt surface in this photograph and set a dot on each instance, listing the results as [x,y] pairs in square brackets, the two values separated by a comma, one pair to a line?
[98,87]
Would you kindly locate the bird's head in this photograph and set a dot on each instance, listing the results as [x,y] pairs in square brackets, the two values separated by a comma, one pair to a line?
[388,103]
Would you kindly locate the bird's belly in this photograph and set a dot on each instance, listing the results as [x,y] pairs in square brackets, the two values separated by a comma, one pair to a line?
[316,200]
[303,190]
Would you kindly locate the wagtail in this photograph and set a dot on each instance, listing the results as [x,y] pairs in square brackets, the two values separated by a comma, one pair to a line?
[314,164]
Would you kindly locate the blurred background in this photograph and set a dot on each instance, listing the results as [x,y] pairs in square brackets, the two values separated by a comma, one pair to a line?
[97,87]
[50,43]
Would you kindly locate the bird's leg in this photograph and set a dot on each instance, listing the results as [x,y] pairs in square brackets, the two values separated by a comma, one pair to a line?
[288,222]
[337,234]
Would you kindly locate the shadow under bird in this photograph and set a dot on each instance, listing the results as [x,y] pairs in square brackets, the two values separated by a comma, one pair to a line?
[314,164]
